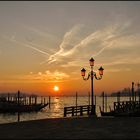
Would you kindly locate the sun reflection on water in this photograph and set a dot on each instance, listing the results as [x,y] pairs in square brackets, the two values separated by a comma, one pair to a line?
[57,103]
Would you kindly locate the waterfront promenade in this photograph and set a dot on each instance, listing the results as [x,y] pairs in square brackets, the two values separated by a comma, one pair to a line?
[73,128]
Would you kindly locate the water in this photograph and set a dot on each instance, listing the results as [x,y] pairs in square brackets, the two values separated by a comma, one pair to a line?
[57,108]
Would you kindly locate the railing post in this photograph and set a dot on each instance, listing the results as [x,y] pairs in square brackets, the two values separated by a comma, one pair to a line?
[65,111]
[72,111]
[81,111]
[114,106]
[88,108]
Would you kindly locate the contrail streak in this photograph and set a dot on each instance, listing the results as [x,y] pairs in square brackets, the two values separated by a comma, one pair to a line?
[26,45]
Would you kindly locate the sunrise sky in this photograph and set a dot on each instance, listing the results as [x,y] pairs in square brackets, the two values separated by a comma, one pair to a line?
[46,44]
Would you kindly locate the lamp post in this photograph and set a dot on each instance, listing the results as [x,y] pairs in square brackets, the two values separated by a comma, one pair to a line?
[92,74]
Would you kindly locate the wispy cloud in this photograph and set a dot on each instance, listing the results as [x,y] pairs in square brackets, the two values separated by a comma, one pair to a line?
[101,43]
[47,76]
[37,77]
[65,43]
[92,45]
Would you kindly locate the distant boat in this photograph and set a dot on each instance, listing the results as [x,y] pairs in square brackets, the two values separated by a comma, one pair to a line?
[13,106]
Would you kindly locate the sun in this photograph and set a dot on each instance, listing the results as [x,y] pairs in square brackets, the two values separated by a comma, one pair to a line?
[56,88]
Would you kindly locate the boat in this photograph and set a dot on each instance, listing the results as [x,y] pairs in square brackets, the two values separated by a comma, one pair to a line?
[111,113]
[129,113]
[13,106]
[124,111]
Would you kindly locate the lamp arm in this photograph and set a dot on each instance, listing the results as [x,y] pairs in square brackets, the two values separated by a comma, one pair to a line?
[97,78]
[87,77]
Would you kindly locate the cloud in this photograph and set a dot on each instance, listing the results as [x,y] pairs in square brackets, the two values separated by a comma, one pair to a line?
[63,51]
[47,76]
[113,41]
[38,77]
[93,45]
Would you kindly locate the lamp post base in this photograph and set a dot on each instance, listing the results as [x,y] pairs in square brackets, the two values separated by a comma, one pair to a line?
[93,111]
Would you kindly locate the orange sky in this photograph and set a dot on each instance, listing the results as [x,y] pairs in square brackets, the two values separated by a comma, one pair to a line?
[43,44]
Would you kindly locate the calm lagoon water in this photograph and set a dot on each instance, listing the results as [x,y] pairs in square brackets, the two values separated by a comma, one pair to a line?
[56,109]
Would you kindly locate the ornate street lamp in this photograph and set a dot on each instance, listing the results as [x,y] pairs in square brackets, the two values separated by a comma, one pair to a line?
[92,74]
[101,70]
[83,71]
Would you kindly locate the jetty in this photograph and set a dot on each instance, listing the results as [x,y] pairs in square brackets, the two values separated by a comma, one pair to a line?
[77,110]
[81,110]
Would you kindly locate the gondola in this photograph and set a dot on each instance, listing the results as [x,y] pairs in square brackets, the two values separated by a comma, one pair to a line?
[111,113]
[13,107]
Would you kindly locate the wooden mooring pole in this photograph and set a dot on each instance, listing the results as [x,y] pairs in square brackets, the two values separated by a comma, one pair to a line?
[18,106]
[118,97]
[41,100]
[133,91]
[103,101]
[35,99]
[8,97]
[129,95]
[139,91]
[95,102]
[30,100]
[135,96]
[49,102]
[89,98]
[44,101]
[106,102]
[25,101]
[76,103]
